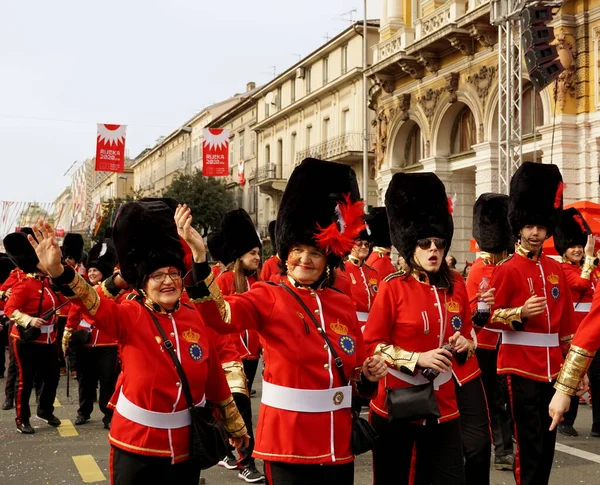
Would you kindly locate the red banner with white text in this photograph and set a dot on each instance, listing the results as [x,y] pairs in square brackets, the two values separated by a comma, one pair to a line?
[110,148]
[215,152]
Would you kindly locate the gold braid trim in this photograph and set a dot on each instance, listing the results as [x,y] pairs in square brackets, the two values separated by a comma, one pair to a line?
[236,377]
[85,293]
[493,258]
[228,414]
[66,337]
[506,316]
[403,360]
[217,296]
[21,318]
[567,338]
[382,251]
[588,267]
[573,369]
[204,299]
[107,293]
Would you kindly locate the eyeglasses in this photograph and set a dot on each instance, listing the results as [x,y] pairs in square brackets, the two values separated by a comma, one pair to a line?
[437,241]
[160,277]
[360,243]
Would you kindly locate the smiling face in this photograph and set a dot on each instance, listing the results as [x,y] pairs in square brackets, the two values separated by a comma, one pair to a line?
[94,276]
[251,260]
[429,253]
[305,263]
[574,254]
[532,237]
[164,287]
[360,250]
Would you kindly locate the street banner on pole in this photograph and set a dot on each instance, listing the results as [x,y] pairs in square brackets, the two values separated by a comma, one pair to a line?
[215,152]
[110,148]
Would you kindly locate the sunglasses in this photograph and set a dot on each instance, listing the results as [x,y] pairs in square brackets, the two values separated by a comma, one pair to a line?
[360,243]
[437,241]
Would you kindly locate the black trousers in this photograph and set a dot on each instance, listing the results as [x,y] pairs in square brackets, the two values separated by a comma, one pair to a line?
[3,344]
[32,359]
[496,393]
[250,367]
[475,431]
[535,443]
[60,330]
[10,386]
[594,375]
[128,468]
[440,459]
[245,408]
[277,473]
[96,365]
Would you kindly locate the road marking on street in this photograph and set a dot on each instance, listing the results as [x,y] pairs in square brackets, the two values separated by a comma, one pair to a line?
[586,455]
[88,469]
[56,403]
[66,429]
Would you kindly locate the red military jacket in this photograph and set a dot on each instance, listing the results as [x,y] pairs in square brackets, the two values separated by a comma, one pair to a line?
[414,316]
[487,338]
[77,320]
[381,261]
[149,378]
[364,284]
[248,341]
[296,357]
[516,279]
[14,277]
[24,303]
[270,267]
[582,291]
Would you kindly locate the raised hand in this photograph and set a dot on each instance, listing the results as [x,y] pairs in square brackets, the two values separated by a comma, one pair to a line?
[183,220]
[47,248]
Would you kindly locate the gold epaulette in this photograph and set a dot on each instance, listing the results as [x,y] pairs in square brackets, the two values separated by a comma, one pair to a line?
[397,274]
[506,259]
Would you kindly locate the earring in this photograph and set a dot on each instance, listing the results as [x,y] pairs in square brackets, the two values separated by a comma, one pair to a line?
[328,272]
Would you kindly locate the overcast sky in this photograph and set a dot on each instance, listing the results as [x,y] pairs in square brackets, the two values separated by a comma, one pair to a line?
[69,64]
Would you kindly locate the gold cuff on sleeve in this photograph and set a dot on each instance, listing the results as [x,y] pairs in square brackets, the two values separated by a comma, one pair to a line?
[217,296]
[573,369]
[20,318]
[236,377]
[588,267]
[228,414]
[508,317]
[566,339]
[2,295]
[403,360]
[85,293]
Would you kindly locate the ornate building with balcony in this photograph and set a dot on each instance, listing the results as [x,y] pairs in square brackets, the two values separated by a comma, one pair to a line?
[434,90]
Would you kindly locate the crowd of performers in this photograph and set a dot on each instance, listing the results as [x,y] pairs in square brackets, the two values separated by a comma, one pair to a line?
[457,376]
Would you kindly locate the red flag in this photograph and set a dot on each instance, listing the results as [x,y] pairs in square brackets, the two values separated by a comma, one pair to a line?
[215,152]
[110,148]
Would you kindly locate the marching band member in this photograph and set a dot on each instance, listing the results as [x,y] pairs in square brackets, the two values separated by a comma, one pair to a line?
[380,257]
[271,265]
[216,247]
[6,268]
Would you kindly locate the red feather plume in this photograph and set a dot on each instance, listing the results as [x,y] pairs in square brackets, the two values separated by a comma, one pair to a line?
[450,205]
[559,194]
[579,220]
[339,237]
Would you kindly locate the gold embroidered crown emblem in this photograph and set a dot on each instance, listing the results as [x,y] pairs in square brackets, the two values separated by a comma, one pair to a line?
[191,336]
[553,278]
[453,306]
[339,328]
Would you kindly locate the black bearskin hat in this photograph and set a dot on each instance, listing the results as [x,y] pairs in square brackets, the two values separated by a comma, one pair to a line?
[239,233]
[6,266]
[320,208]
[216,248]
[20,250]
[417,207]
[146,239]
[536,191]
[572,230]
[377,220]
[108,232]
[491,229]
[272,235]
[103,257]
[73,246]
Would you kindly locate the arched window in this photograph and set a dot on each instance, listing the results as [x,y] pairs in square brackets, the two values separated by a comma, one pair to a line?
[463,134]
[530,110]
[412,151]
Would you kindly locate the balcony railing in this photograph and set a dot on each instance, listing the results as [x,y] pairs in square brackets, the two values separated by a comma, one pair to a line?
[336,147]
[270,172]
[441,16]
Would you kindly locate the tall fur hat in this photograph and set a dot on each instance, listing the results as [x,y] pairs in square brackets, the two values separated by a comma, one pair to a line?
[417,208]
[272,235]
[491,229]
[20,250]
[377,220]
[572,230]
[320,207]
[146,239]
[72,246]
[216,247]
[6,266]
[536,197]
[103,257]
[239,233]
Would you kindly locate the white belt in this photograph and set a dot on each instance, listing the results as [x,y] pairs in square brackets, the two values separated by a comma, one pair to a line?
[530,339]
[362,316]
[495,330]
[153,419]
[85,324]
[419,379]
[583,307]
[306,400]
[47,328]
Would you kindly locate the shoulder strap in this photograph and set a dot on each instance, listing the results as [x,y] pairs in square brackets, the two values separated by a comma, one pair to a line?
[168,345]
[338,362]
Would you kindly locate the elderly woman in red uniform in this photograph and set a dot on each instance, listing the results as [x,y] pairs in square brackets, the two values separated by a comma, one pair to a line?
[574,241]
[150,429]
[305,420]
[33,338]
[419,320]
[97,353]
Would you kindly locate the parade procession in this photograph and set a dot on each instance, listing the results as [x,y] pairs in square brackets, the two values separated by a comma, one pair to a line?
[378,264]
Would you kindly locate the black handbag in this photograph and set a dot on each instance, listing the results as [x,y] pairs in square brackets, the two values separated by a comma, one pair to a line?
[412,403]
[208,437]
[363,436]
[79,338]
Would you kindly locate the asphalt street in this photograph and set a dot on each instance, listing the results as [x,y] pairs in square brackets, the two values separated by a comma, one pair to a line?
[76,455]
